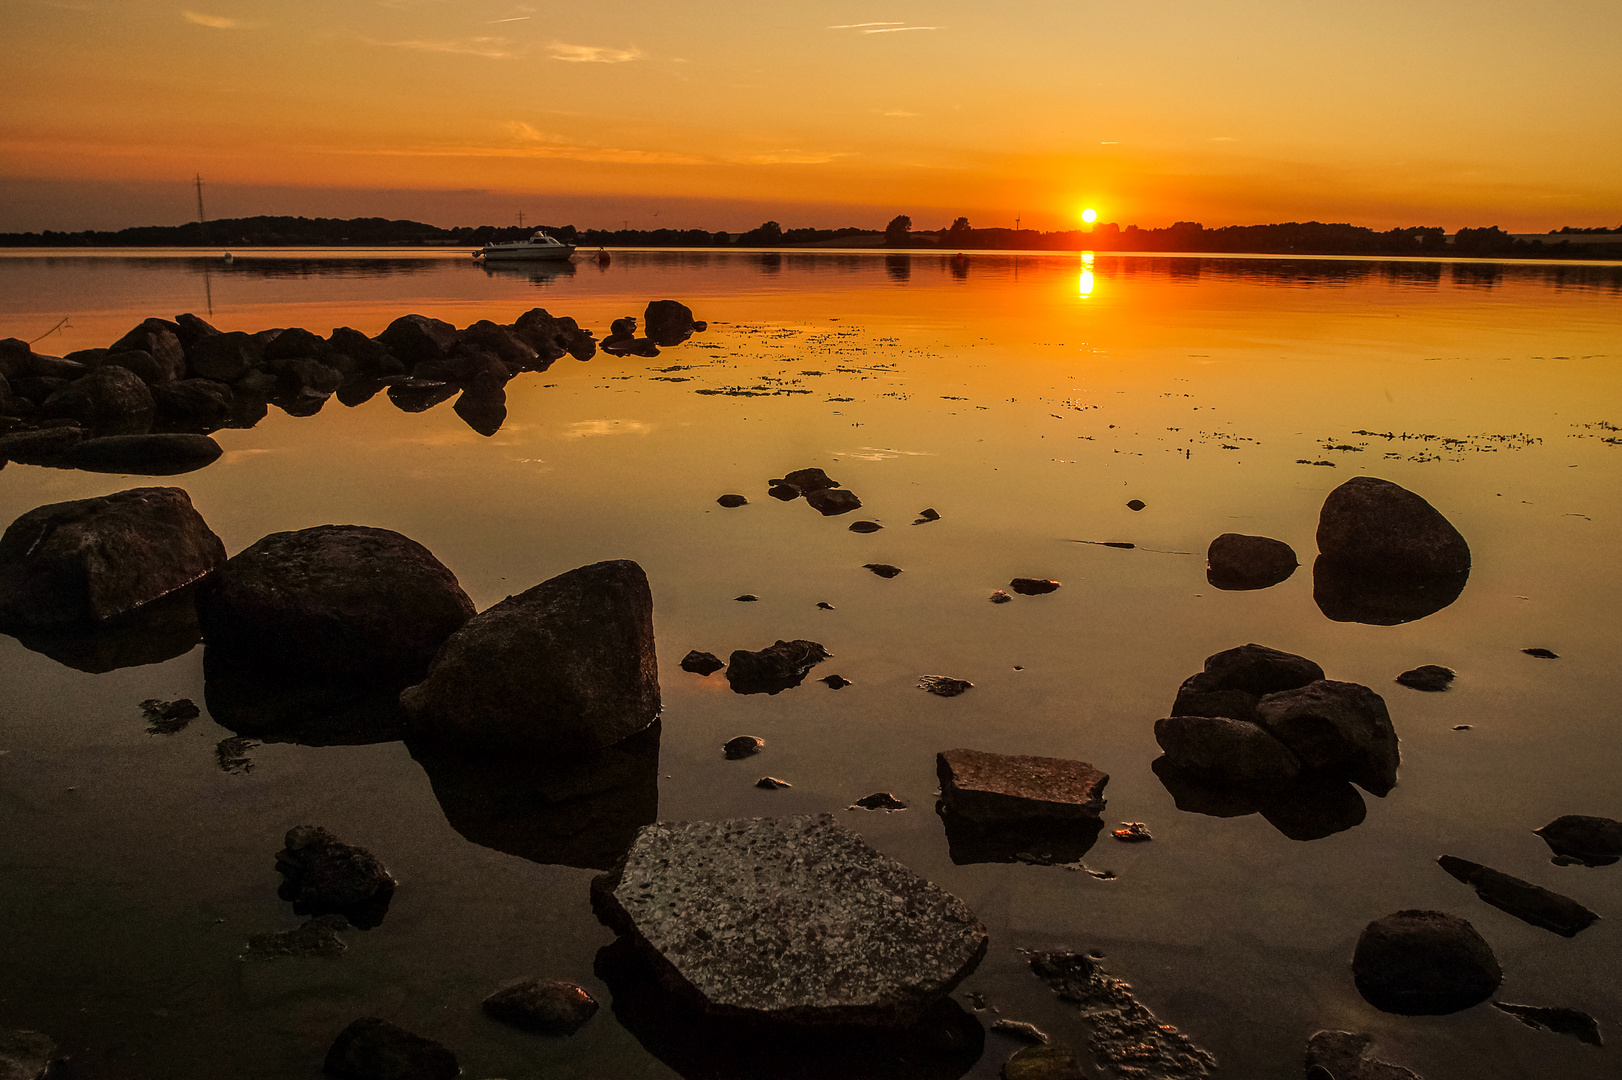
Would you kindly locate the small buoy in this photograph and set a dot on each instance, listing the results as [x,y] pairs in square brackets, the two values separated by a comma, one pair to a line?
[227,256]
[603,258]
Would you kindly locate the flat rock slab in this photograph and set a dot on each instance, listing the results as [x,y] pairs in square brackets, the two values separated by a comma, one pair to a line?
[1560,1020]
[998,787]
[547,1006]
[1343,1055]
[1582,839]
[791,919]
[1522,899]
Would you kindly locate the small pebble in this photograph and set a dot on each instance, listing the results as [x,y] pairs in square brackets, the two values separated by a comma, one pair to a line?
[730,501]
[1135,832]
[1020,1030]
[1030,586]
[1136,504]
[927,515]
[1542,654]
[942,686]
[865,526]
[701,663]
[1461,727]
[883,570]
[823,605]
[835,682]
[746,598]
[1000,597]
[879,800]
[772,783]
[741,747]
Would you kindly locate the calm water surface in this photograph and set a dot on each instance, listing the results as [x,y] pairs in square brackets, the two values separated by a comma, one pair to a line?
[1027,401]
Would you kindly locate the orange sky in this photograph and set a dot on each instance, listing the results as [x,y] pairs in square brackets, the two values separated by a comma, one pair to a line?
[716,114]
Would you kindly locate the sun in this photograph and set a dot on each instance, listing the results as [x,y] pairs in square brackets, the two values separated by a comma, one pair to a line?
[1089,215]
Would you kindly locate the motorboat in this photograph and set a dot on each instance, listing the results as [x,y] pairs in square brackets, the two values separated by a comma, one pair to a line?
[537,247]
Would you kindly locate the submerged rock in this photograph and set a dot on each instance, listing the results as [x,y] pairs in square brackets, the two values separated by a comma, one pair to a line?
[1432,678]
[997,788]
[1019,1029]
[1044,1062]
[883,570]
[772,783]
[1561,1020]
[1584,840]
[1225,748]
[1527,902]
[804,481]
[790,919]
[773,669]
[865,526]
[547,1006]
[669,322]
[831,502]
[834,682]
[1236,562]
[1424,963]
[943,685]
[162,454]
[879,800]
[1307,808]
[86,561]
[701,663]
[742,746]
[323,875]
[1125,1034]
[168,717]
[1030,586]
[1541,654]
[567,666]
[334,602]
[732,502]
[25,1055]
[1356,594]
[1342,1055]
[316,937]
[373,1049]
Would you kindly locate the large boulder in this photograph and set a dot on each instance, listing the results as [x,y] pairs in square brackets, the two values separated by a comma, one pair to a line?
[111,399]
[224,357]
[373,1049]
[1225,748]
[1235,679]
[201,405]
[415,339]
[92,559]
[1424,963]
[323,875]
[790,920]
[1583,839]
[160,339]
[25,1055]
[566,667]
[368,356]
[1336,727]
[517,354]
[333,602]
[1237,562]
[773,669]
[164,454]
[1358,594]
[669,322]
[1385,529]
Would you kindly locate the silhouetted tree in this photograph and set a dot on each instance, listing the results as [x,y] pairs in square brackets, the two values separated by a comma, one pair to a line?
[959,228]
[769,234]
[895,233]
[1483,241]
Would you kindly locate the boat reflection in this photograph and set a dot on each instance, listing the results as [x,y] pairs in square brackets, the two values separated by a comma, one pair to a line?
[540,274]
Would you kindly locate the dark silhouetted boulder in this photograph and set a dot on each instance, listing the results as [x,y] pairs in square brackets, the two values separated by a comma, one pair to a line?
[420,395]
[1030,586]
[224,357]
[1237,562]
[41,446]
[201,405]
[483,405]
[369,357]
[1424,963]
[1225,748]
[1527,902]
[142,364]
[668,322]
[1355,594]
[93,559]
[192,329]
[515,353]
[414,339]
[295,342]
[805,480]
[110,400]
[323,875]
[566,667]
[547,1006]
[701,663]
[778,667]
[1235,679]
[373,1049]
[790,920]
[25,1055]
[1384,529]
[161,339]
[334,602]
[732,502]
[1432,678]
[1578,838]
[164,454]
[1336,727]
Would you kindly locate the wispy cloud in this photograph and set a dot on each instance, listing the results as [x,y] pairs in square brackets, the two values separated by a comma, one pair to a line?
[592,54]
[491,48]
[515,18]
[863,25]
[1110,142]
[215,22]
[882,27]
[901,29]
[787,157]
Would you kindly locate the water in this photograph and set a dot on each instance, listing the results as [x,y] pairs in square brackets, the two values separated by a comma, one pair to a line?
[1027,400]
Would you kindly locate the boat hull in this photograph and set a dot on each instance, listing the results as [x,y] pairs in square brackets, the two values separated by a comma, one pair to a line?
[538,254]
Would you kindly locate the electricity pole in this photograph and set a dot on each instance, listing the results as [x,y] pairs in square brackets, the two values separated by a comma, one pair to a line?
[202,237]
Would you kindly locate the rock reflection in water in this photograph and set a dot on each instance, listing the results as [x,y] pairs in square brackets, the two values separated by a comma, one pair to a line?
[944,1045]
[155,632]
[1345,594]
[1309,807]
[1044,841]
[282,709]
[584,813]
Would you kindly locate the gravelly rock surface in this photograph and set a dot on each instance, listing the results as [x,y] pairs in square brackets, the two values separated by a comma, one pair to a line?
[792,919]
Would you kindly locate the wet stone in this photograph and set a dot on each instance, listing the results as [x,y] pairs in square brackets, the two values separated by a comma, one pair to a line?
[879,800]
[1542,654]
[834,682]
[772,783]
[778,667]
[317,937]
[794,920]
[1019,1029]
[1527,902]
[746,598]
[926,515]
[742,746]
[373,1049]
[1561,1020]
[823,605]
[1432,678]
[1343,1055]
[1132,832]
[547,1006]
[1136,504]
[806,480]
[1125,1034]
[168,717]
[25,1055]
[831,502]
[988,787]
[865,526]
[943,686]
[1583,840]
[1050,1062]
[1000,597]
[232,754]
[1030,586]
[732,501]
[883,570]
[322,874]
[1424,963]
[701,663]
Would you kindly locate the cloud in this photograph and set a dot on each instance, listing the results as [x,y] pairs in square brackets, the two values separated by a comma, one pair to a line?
[901,29]
[861,25]
[1110,142]
[786,157]
[491,48]
[215,22]
[592,54]
[515,18]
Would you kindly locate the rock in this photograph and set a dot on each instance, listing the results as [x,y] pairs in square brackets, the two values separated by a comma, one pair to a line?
[1560,1020]
[566,667]
[831,502]
[879,800]
[295,342]
[783,665]
[865,526]
[701,663]
[668,322]
[1527,902]
[1127,1038]
[742,746]
[1225,748]
[201,404]
[1136,504]
[1542,654]
[226,357]
[25,1055]
[1341,1055]
[1049,1062]
[1030,586]
[994,788]
[1019,1029]
[1589,841]
[823,605]
[416,339]
[926,515]
[1362,595]
[548,1006]
[790,919]
[163,454]
[1257,669]
[732,501]
[110,400]
[804,481]
[92,559]
[334,602]
[169,717]
[41,446]
[419,395]
[943,686]
[1386,529]
[1337,727]
[316,937]
[1000,597]
[783,492]
[142,364]
[160,339]
[373,1049]
[883,570]
[1235,562]
[834,682]
[1431,678]
[367,356]
[1133,832]
[154,632]
[483,405]
[746,598]
[772,783]
[322,875]
[1424,963]
[514,352]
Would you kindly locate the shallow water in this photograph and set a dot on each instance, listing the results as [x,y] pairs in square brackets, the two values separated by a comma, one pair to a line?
[1027,400]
